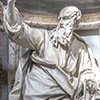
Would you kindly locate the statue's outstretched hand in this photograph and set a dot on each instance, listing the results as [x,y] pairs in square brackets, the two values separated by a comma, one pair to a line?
[11,1]
[11,15]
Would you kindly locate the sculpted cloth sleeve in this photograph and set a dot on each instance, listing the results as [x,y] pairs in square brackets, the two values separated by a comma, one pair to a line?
[88,71]
[19,32]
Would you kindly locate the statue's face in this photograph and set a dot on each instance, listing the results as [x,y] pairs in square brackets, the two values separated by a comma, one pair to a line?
[66,18]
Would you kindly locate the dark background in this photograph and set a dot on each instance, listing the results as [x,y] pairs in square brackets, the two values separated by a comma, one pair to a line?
[54,6]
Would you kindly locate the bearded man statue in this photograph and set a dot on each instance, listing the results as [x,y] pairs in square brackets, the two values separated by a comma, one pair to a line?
[59,64]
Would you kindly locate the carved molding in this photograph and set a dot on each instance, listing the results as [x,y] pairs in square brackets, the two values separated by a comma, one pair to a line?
[89,21]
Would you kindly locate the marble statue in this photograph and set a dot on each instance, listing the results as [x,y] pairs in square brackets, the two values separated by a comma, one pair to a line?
[59,64]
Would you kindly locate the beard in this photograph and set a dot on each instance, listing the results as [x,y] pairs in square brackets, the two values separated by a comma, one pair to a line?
[61,36]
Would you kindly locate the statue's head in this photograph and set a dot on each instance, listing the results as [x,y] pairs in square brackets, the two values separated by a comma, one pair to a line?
[69,18]
[70,15]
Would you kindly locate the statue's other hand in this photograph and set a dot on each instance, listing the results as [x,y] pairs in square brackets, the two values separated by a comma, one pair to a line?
[98,87]
[91,85]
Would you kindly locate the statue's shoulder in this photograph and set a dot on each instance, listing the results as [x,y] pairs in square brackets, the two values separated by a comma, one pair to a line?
[81,40]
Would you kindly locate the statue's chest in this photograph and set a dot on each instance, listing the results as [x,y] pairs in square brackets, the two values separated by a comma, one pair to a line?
[55,55]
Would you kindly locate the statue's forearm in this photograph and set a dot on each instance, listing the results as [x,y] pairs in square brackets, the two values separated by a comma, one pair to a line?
[11,15]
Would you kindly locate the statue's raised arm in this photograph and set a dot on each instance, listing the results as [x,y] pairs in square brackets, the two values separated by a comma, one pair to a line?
[18,31]
[11,11]
[11,1]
